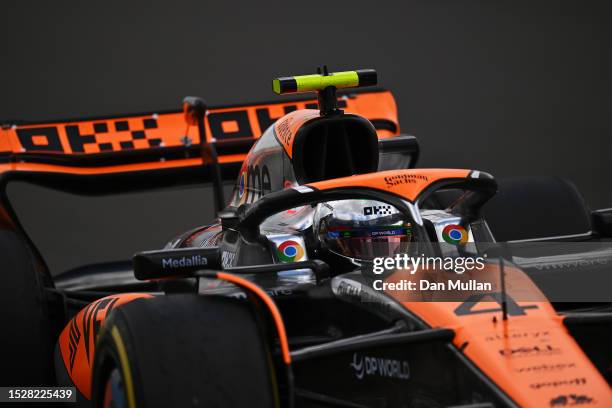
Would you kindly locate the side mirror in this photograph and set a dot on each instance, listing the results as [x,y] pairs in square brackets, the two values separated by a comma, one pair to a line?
[399,152]
[602,221]
[174,262]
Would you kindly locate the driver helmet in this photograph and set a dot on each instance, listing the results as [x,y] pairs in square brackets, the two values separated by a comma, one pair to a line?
[362,229]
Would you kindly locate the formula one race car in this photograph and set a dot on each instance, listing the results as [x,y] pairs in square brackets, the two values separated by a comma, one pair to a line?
[277,302]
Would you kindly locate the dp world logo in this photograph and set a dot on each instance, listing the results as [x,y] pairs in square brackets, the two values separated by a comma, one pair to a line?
[358,366]
[379,367]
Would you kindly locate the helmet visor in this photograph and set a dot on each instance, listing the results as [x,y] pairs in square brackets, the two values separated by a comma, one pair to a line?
[363,229]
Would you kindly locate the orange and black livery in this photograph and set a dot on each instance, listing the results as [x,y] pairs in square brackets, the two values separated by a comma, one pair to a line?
[274,302]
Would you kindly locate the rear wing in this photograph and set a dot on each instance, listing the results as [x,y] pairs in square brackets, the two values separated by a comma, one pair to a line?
[143,151]
[110,155]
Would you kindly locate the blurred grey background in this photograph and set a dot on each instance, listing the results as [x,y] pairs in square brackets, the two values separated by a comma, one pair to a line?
[510,87]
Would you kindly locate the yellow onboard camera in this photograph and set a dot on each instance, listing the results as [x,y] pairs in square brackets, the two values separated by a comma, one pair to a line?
[325,84]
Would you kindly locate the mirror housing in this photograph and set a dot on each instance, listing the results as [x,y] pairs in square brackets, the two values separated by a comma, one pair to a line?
[602,221]
[399,152]
[160,264]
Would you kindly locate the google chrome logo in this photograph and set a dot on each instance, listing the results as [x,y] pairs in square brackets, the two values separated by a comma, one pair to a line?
[455,234]
[290,251]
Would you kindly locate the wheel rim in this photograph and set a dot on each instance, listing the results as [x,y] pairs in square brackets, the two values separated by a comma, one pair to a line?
[114,391]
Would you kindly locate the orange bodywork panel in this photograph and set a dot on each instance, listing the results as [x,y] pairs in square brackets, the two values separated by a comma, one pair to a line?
[530,356]
[406,183]
[29,147]
[287,127]
[78,339]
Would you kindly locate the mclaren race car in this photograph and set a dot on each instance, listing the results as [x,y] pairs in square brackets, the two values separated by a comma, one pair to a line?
[293,295]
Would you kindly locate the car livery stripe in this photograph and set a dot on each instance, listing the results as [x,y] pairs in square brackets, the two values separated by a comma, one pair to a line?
[125,367]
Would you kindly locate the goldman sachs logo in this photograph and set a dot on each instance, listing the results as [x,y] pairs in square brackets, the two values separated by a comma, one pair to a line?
[380,367]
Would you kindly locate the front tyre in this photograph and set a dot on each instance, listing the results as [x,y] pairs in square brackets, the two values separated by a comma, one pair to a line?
[183,351]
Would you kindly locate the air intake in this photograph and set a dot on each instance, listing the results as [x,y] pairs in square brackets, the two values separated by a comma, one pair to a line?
[335,146]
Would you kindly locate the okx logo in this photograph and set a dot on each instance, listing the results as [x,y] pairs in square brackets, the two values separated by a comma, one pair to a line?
[290,251]
[379,367]
[455,234]
[377,210]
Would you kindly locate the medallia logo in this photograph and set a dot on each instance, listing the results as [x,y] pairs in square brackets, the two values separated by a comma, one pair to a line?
[380,367]
[455,234]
